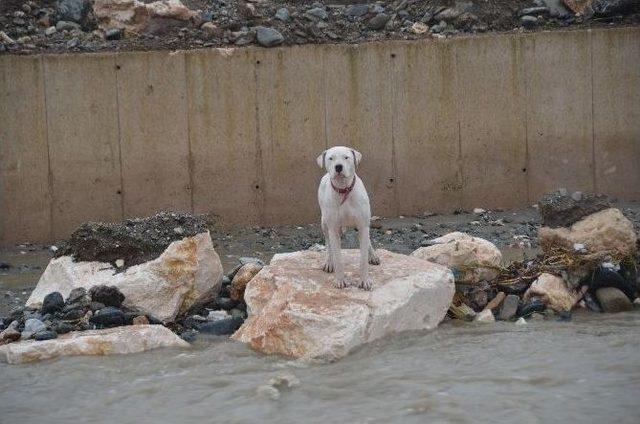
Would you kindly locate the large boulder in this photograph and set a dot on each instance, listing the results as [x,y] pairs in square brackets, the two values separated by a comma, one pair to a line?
[472,259]
[119,340]
[295,310]
[139,17]
[187,271]
[607,233]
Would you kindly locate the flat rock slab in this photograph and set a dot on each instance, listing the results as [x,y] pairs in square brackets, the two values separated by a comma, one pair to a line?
[294,309]
[119,340]
[188,270]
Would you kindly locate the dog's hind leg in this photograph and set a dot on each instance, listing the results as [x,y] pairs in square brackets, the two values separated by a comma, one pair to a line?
[374,259]
[365,250]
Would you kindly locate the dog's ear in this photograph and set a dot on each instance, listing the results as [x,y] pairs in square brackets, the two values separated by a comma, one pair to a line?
[320,159]
[357,156]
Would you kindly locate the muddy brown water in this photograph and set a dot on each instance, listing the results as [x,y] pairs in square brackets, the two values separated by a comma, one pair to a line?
[586,370]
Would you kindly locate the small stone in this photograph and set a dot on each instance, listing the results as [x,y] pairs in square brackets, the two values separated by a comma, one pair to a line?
[509,307]
[268,37]
[24,40]
[109,296]
[75,312]
[213,29]
[521,321]
[96,306]
[356,10]
[5,38]
[108,317]
[119,263]
[577,196]
[485,317]
[238,313]
[113,34]
[242,278]
[534,10]
[378,22]
[479,211]
[563,191]
[613,300]
[189,336]
[10,334]
[79,294]
[283,14]
[67,26]
[63,327]
[318,12]
[53,248]
[140,320]
[221,327]
[53,302]
[50,31]
[439,27]
[45,335]
[419,28]
[579,247]
[32,326]
[529,21]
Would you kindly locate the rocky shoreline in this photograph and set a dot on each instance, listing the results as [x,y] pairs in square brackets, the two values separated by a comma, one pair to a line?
[101,25]
[588,259]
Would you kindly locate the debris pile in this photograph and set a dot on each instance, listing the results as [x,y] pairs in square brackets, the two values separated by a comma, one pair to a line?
[90,25]
[589,258]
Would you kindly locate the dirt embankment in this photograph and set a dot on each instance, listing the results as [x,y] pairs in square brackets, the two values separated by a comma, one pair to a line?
[98,25]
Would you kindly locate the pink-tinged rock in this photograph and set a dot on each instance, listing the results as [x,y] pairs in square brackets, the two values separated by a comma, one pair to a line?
[138,17]
[188,271]
[472,259]
[118,340]
[294,309]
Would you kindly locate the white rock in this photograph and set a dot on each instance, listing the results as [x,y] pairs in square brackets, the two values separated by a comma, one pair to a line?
[294,310]
[217,315]
[118,340]
[472,259]
[605,233]
[50,31]
[119,263]
[485,317]
[521,321]
[479,211]
[553,292]
[187,271]
[579,247]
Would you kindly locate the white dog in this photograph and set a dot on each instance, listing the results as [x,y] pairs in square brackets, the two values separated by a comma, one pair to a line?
[344,203]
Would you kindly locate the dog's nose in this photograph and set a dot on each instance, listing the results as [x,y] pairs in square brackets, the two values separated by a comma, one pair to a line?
[338,168]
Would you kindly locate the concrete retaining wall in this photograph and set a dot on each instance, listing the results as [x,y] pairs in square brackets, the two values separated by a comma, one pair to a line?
[491,121]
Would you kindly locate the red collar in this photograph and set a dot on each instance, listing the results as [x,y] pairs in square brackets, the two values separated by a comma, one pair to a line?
[344,192]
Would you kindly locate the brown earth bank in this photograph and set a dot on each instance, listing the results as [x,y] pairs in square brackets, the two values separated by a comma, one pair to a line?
[56,26]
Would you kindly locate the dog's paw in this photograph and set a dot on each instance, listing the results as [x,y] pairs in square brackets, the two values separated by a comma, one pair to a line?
[328,267]
[341,284]
[365,284]
[374,259]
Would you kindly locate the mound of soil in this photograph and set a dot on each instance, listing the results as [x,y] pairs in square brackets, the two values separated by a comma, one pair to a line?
[134,240]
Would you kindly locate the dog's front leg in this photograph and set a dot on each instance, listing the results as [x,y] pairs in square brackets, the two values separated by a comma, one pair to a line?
[335,245]
[365,244]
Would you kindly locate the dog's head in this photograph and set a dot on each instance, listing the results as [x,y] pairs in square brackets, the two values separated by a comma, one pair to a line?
[340,162]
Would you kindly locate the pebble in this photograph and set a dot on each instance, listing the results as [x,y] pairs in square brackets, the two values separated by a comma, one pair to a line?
[67,26]
[32,326]
[217,315]
[53,302]
[534,10]
[140,320]
[419,28]
[509,307]
[356,10]
[221,327]
[108,317]
[378,22]
[439,27]
[529,21]
[45,335]
[318,12]
[485,317]
[577,196]
[62,327]
[79,294]
[268,37]
[283,14]
[479,211]
[189,336]
[50,31]
[521,321]
[119,262]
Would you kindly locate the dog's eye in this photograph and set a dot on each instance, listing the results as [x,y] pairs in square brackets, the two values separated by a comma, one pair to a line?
[346,157]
